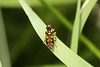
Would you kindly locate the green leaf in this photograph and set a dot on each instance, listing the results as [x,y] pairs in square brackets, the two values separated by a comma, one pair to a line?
[68,25]
[0,64]
[4,51]
[76,29]
[85,11]
[67,56]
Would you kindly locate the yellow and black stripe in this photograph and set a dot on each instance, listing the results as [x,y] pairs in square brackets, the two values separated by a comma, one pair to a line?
[49,36]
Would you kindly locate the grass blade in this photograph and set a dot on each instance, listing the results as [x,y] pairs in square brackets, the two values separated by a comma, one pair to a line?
[67,56]
[76,28]
[4,52]
[69,25]
[85,11]
[0,64]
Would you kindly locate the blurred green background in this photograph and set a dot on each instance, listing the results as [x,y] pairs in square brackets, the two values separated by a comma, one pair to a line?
[25,47]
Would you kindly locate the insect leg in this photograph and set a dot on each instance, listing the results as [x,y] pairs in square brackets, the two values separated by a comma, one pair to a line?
[55,38]
[55,44]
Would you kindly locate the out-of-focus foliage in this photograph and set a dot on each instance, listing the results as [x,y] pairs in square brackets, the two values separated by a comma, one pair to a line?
[26,48]
[34,3]
[61,51]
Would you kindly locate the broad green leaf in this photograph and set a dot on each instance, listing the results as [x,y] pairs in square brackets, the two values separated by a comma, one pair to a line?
[76,28]
[4,52]
[67,56]
[69,26]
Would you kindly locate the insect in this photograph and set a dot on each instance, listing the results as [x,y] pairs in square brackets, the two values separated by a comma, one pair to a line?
[50,36]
